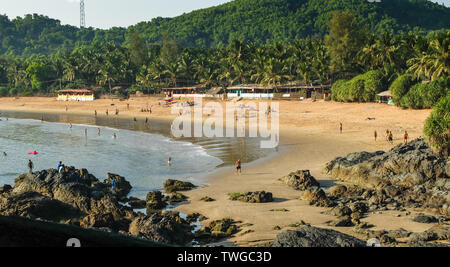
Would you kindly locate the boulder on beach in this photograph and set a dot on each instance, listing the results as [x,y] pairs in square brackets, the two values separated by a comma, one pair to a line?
[155,201]
[252,197]
[316,196]
[300,180]
[308,236]
[167,228]
[171,186]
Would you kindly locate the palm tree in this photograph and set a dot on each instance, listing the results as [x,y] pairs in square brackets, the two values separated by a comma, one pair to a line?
[435,62]
[273,73]
[172,69]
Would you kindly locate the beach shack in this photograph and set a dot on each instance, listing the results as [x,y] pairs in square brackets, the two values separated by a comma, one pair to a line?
[75,95]
[185,92]
[385,97]
[250,91]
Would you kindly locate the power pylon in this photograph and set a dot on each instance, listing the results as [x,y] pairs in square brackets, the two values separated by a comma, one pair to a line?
[82,15]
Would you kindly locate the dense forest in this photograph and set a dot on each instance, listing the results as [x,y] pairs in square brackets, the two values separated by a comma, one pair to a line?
[257,21]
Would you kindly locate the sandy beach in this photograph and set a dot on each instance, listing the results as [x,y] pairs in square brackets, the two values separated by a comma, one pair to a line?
[309,137]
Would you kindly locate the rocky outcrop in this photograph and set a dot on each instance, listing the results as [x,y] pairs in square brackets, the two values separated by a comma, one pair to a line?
[409,175]
[36,206]
[252,197]
[316,196]
[311,192]
[155,201]
[308,236]
[122,187]
[300,180]
[171,186]
[168,228]
[216,230]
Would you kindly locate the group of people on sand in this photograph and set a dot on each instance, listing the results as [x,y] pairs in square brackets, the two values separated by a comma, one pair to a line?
[388,135]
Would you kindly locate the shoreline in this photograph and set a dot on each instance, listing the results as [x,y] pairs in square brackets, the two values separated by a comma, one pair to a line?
[309,138]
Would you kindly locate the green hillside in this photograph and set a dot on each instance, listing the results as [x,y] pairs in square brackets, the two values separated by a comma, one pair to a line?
[260,21]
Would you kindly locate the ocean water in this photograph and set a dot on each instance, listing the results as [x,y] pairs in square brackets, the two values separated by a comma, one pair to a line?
[139,153]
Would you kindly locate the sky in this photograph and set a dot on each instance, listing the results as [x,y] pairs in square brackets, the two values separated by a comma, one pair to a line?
[105,14]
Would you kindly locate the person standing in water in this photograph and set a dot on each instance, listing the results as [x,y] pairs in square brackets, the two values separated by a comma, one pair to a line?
[114,135]
[70,125]
[30,166]
[4,154]
[169,161]
[238,167]
[85,132]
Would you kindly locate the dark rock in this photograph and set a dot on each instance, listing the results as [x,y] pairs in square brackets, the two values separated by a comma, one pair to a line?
[308,236]
[5,188]
[253,197]
[424,236]
[337,191]
[217,229]
[207,199]
[98,221]
[300,180]
[341,211]
[316,197]
[176,197]
[168,228]
[344,221]
[425,219]
[175,185]
[34,205]
[155,201]
[136,203]
[122,188]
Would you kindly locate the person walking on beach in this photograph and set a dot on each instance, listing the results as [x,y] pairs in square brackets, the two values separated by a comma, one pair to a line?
[238,167]
[128,106]
[134,119]
[107,112]
[375,135]
[405,137]
[30,166]
[95,113]
[117,111]
[391,137]
[340,127]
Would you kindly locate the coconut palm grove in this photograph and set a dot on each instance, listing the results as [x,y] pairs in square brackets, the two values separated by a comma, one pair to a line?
[359,48]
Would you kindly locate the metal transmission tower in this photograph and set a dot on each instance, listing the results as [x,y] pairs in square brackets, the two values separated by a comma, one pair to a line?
[82,15]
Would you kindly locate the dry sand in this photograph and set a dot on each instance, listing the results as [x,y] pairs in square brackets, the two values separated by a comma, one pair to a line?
[309,137]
